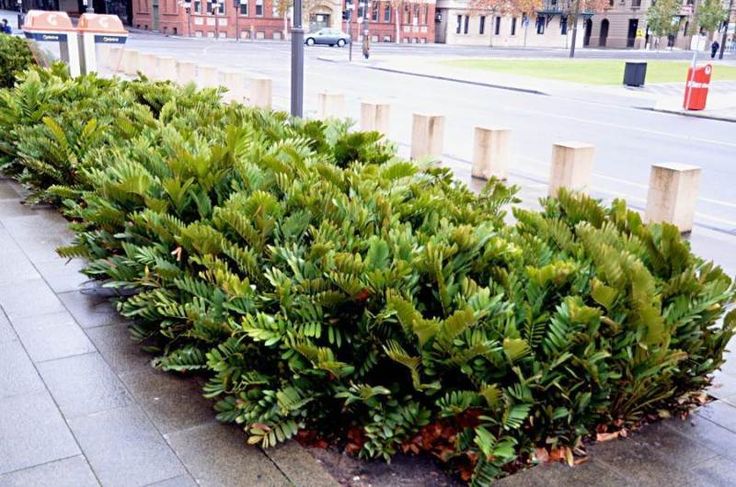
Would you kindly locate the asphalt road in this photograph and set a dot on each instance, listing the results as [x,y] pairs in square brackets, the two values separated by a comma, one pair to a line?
[627,140]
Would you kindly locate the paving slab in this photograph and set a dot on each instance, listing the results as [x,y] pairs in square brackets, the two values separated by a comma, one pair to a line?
[217,455]
[89,310]
[124,449]
[7,334]
[69,472]
[589,473]
[299,466]
[63,275]
[180,481]
[172,403]
[32,432]
[14,264]
[83,384]
[716,472]
[52,336]
[18,376]
[708,434]
[27,298]
[41,233]
[119,350]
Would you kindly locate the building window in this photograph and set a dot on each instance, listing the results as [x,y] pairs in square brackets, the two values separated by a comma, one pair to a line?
[541,23]
[465,27]
[426,14]
[259,8]
[197,7]
[374,12]
[387,14]
[407,14]
[497,26]
[563,25]
[459,24]
[636,3]
[482,27]
[513,26]
[221,7]
[243,7]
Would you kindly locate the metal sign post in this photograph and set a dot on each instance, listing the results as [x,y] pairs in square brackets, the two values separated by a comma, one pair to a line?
[297,62]
[236,6]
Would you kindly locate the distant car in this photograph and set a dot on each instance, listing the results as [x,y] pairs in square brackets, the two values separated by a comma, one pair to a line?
[331,37]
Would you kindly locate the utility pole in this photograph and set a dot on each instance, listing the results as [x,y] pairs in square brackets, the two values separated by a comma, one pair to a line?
[725,30]
[575,28]
[215,8]
[297,62]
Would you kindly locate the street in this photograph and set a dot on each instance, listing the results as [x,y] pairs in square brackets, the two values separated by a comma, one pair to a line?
[627,140]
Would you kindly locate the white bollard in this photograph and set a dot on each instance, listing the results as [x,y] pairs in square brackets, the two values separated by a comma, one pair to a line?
[330,105]
[572,166]
[186,72]
[374,116]
[236,83]
[673,192]
[166,68]
[427,136]
[260,91]
[208,76]
[148,64]
[491,152]
[130,62]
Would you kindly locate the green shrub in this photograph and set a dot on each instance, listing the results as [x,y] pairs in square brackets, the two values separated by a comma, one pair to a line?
[15,57]
[323,284]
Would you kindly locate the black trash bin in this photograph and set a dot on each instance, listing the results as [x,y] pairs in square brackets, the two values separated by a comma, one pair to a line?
[635,73]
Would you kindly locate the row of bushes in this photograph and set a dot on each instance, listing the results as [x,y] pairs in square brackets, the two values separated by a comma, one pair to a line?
[328,288]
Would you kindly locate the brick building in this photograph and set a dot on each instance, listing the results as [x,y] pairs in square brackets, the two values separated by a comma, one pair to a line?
[260,19]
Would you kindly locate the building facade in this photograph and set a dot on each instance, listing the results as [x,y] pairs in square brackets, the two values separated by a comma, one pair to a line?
[624,25]
[461,24]
[263,19]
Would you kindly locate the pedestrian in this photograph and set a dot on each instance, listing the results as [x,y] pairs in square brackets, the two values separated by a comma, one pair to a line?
[714,49]
[366,46]
[5,28]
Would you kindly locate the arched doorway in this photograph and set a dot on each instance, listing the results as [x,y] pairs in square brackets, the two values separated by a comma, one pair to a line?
[604,33]
[588,31]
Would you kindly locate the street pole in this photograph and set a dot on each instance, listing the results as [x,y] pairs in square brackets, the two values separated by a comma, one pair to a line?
[237,20]
[215,7]
[725,31]
[351,7]
[575,28]
[297,62]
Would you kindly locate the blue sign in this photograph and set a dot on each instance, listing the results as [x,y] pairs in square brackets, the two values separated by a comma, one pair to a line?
[110,39]
[46,36]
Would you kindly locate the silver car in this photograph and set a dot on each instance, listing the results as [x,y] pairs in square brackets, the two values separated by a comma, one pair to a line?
[331,37]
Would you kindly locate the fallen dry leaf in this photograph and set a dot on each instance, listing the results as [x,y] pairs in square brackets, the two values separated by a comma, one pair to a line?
[541,455]
[601,437]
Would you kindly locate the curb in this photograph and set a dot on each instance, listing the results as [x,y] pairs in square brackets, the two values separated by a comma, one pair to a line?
[463,81]
[692,115]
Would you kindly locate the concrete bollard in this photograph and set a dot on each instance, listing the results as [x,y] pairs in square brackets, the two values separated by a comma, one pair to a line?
[166,68]
[148,64]
[374,116]
[673,192]
[130,62]
[572,166]
[186,72]
[208,76]
[236,83]
[491,152]
[260,92]
[330,105]
[427,136]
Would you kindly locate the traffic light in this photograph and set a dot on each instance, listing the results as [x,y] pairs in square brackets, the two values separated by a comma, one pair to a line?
[347,15]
